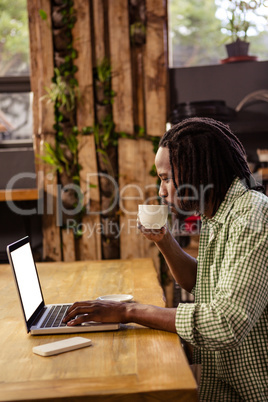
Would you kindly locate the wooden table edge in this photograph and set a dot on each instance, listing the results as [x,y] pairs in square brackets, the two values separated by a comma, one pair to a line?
[56,389]
[26,194]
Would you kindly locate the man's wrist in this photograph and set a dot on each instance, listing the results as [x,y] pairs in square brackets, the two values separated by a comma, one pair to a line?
[150,316]
[128,312]
[165,239]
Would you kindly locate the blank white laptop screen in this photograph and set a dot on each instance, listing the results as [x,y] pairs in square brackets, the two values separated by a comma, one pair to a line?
[40,318]
[27,279]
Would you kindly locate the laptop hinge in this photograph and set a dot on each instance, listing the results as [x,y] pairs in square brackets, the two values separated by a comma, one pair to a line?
[36,316]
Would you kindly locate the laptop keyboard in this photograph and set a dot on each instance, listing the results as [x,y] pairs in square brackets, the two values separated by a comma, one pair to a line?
[55,317]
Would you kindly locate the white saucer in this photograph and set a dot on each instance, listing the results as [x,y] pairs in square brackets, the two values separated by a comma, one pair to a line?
[118,298]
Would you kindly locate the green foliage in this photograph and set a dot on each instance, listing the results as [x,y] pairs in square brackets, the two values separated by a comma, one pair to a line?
[64,94]
[72,144]
[51,157]
[155,141]
[102,76]
[239,17]
[57,157]
[43,15]
[109,136]
[61,93]
[153,171]
[68,68]
[104,71]
[137,32]
[198,30]
[195,31]
[14,37]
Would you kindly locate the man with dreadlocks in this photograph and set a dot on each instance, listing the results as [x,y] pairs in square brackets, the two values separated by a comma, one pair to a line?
[228,322]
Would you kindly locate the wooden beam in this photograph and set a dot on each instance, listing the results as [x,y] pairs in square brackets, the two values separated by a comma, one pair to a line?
[45,53]
[138,86]
[121,65]
[155,64]
[90,244]
[33,22]
[68,245]
[99,31]
[43,71]
[136,158]
[51,224]
[84,75]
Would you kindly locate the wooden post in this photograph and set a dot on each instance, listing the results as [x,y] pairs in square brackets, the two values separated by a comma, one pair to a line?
[136,158]
[43,68]
[100,31]
[155,64]
[84,75]
[68,246]
[33,20]
[51,223]
[121,65]
[90,246]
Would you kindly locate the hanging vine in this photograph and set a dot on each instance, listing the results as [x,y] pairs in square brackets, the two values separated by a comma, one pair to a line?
[65,96]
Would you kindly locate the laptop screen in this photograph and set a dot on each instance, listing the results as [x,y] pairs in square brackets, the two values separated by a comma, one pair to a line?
[27,279]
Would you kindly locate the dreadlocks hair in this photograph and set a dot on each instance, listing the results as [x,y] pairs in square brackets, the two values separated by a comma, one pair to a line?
[203,151]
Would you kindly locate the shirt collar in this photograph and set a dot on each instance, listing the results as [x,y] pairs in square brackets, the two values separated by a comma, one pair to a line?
[236,190]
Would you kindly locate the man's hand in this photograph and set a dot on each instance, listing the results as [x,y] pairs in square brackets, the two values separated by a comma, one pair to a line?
[154,235]
[95,310]
[108,311]
[182,266]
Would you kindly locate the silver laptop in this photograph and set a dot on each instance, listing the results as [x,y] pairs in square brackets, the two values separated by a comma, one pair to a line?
[39,318]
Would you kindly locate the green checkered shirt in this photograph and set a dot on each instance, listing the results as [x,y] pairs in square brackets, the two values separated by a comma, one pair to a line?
[228,322]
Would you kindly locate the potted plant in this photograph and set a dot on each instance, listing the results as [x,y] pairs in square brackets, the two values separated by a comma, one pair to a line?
[239,16]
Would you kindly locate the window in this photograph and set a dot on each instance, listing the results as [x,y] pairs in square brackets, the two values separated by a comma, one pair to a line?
[15,117]
[15,96]
[14,42]
[198,31]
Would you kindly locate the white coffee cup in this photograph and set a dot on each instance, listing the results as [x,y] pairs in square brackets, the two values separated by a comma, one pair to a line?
[153,216]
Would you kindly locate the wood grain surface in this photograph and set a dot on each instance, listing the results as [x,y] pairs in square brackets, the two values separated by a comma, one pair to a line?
[155,67]
[42,71]
[121,65]
[90,243]
[137,186]
[134,363]
[26,194]
[84,74]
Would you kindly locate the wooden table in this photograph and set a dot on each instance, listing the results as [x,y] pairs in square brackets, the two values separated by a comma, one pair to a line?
[132,364]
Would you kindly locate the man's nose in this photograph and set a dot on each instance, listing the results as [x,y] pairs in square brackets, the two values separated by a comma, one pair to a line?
[163,191]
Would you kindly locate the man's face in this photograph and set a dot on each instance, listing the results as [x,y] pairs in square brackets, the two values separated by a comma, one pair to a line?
[167,189]
[172,196]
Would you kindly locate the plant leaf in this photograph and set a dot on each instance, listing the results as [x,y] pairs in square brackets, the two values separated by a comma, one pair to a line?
[43,14]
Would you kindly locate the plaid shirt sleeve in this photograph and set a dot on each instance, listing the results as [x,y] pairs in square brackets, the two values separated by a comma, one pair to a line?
[232,282]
